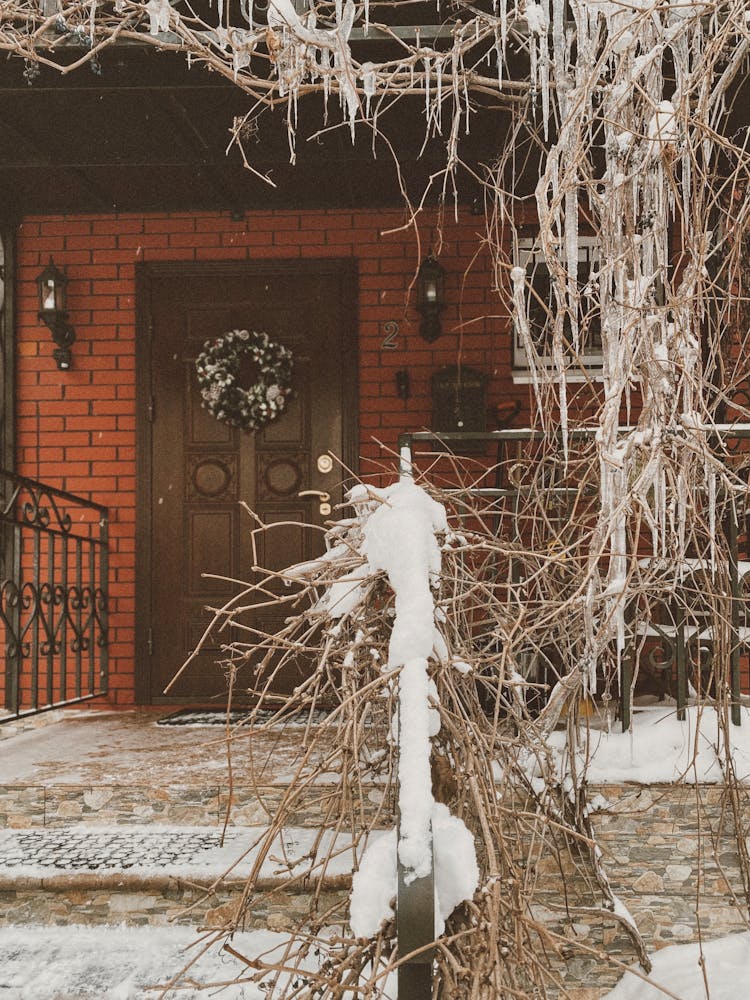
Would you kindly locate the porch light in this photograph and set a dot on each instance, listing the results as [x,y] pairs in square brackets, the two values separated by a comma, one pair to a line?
[430,297]
[51,284]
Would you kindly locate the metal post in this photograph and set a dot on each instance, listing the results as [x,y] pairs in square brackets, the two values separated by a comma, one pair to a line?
[14,648]
[681,666]
[405,468]
[626,689]
[102,598]
[415,929]
[415,921]
[734,655]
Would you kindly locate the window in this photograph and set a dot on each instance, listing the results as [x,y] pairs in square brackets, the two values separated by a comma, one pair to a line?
[539,299]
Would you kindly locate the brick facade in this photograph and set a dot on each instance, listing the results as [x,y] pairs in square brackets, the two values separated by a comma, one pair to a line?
[76,429]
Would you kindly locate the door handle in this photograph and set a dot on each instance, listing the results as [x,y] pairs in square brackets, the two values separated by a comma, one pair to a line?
[325,499]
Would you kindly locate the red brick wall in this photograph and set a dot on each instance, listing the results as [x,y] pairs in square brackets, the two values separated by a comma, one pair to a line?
[76,429]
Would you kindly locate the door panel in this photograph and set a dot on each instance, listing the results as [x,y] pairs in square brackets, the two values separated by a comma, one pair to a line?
[200,469]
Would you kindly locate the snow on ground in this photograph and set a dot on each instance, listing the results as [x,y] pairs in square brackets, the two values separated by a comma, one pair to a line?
[126,963]
[677,969]
[123,963]
[663,749]
[131,963]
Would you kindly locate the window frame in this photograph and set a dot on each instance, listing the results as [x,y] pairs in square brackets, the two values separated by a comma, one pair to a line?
[528,256]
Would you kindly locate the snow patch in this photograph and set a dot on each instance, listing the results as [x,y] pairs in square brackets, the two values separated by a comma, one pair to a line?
[375,885]
[661,748]
[677,969]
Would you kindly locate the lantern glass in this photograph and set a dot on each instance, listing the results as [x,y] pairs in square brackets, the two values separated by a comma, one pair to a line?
[430,285]
[51,284]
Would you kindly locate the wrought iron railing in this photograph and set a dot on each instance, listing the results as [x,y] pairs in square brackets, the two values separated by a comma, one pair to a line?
[678,639]
[53,597]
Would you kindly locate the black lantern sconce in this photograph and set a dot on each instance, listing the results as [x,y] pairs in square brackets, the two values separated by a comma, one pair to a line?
[403,388]
[430,297]
[52,298]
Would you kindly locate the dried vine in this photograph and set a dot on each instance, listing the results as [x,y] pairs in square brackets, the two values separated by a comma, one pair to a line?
[628,119]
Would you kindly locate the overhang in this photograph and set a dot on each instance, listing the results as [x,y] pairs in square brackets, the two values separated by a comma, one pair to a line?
[150,133]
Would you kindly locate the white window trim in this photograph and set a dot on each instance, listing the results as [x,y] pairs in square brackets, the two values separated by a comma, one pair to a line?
[528,249]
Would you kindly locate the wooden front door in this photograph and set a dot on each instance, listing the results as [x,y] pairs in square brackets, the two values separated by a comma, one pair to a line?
[197,470]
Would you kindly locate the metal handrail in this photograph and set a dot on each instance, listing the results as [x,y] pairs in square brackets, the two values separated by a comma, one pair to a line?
[722,432]
[54,589]
[415,900]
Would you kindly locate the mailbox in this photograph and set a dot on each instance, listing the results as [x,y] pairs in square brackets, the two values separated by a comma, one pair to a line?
[459,400]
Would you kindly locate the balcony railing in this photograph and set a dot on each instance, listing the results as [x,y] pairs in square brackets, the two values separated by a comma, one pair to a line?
[53,597]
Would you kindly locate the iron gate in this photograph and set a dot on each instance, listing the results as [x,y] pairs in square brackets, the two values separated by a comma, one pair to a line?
[53,597]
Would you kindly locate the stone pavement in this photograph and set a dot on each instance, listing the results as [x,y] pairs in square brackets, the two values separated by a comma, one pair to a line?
[98,748]
[110,818]
[123,768]
[104,848]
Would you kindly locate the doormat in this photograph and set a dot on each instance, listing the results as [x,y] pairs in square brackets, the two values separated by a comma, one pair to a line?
[217,717]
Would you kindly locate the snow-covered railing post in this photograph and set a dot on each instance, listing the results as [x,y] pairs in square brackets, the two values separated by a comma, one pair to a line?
[415,899]
[415,926]
[405,469]
[400,538]
[428,862]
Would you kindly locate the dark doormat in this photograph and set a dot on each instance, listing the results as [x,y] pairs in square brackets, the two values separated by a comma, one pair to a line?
[217,717]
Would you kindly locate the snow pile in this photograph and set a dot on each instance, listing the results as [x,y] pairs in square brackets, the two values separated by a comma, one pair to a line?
[456,868]
[679,970]
[374,886]
[663,749]
[400,539]
[376,883]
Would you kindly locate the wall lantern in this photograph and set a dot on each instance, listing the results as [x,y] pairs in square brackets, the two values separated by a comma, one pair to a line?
[403,388]
[52,297]
[430,297]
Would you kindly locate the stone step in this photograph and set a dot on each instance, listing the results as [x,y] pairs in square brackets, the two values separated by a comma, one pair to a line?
[109,768]
[25,806]
[160,875]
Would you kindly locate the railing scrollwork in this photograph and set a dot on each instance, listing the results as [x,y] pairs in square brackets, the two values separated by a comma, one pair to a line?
[53,596]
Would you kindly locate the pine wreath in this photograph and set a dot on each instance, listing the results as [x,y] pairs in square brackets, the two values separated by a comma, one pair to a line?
[218,368]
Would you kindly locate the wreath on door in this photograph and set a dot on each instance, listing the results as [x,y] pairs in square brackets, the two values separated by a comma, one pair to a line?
[223,395]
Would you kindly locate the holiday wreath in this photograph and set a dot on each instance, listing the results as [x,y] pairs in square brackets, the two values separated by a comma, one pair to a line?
[218,368]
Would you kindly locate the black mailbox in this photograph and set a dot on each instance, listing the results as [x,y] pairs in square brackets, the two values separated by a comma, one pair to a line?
[459,400]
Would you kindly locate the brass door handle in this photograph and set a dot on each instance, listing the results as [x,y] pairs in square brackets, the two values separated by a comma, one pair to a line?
[325,499]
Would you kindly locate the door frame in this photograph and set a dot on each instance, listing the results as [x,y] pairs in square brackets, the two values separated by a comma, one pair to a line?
[147,275]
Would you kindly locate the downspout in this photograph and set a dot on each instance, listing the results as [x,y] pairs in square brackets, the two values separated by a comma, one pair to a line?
[8,566]
[7,348]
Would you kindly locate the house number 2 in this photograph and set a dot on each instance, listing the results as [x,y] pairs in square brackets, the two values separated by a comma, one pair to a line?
[390,341]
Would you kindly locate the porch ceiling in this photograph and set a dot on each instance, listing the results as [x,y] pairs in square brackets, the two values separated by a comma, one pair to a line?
[149,133]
